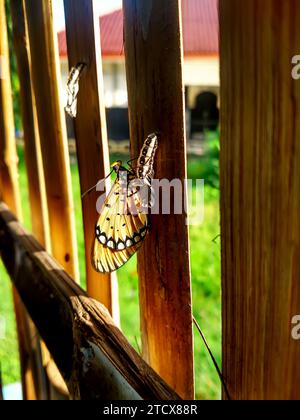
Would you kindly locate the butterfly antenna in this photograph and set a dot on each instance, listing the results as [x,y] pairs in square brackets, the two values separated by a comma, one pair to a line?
[88,191]
[212,358]
[92,188]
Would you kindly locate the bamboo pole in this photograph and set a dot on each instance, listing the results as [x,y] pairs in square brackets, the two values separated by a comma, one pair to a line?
[32,146]
[9,192]
[153,51]
[37,192]
[1,387]
[83,38]
[94,357]
[8,154]
[260,197]
[47,85]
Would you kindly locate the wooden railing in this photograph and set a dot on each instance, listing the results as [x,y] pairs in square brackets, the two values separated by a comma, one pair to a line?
[260,196]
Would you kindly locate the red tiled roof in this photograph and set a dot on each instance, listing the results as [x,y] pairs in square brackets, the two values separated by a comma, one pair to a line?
[200,30]
[200,25]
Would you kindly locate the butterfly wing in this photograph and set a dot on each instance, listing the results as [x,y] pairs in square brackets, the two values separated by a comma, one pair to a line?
[106,260]
[120,230]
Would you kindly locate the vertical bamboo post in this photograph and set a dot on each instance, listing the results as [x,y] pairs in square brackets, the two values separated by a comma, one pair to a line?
[83,38]
[9,192]
[32,147]
[8,153]
[1,388]
[153,50]
[260,197]
[52,128]
[37,192]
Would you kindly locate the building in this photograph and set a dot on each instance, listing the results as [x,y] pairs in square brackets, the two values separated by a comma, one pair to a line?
[201,65]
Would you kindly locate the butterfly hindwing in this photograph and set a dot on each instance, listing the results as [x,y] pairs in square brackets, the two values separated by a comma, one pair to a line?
[119,231]
[106,260]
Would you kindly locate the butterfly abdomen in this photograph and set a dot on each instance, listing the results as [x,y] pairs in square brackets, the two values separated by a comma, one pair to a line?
[146,158]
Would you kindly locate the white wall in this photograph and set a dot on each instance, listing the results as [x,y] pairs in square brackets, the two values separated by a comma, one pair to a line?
[115,89]
[201,73]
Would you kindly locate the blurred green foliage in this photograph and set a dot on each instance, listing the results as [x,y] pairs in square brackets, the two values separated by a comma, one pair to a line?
[207,166]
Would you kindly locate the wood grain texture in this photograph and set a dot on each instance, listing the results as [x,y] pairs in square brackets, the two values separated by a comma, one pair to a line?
[9,191]
[32,146]
[260,204]
[94,357]
[83,39]
[153,50]
[8,154]
[45,368]
[52,127]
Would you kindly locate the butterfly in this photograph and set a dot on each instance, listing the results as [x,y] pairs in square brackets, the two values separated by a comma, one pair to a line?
[123,223]
[73,89]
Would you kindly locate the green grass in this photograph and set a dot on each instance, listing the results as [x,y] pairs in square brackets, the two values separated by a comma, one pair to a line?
[205,264]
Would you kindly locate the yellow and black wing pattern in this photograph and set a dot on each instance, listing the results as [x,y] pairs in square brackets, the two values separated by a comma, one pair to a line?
[123,223]
[118,233]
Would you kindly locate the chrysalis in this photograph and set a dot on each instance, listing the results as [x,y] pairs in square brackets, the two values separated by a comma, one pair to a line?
[73,89]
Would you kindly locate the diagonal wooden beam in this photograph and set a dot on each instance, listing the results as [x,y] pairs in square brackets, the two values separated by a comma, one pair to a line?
[94,357]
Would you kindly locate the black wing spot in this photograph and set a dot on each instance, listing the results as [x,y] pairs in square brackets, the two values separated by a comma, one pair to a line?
[136,238]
